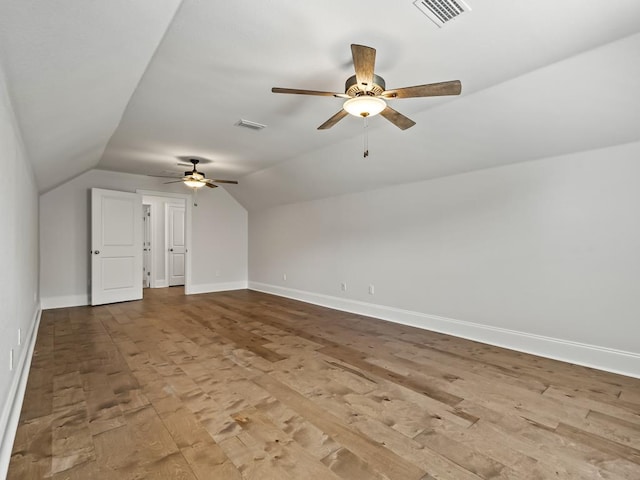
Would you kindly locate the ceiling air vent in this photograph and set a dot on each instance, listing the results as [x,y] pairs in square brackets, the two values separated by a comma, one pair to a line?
[250,124]
[442,11]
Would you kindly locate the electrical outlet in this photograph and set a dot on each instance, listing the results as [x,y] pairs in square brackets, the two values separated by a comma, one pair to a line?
[11,359]
[371,289]
[343,286]
[284,277]
[19,336]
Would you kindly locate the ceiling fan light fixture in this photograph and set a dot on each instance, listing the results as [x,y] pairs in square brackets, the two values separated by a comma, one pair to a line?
[193,183]
[364,106]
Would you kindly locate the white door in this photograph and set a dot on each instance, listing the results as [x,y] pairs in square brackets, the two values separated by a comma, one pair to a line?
[146,246]
[176,243]
[116,246]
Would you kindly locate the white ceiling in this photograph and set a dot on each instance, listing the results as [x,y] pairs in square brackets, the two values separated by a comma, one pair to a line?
[132,86]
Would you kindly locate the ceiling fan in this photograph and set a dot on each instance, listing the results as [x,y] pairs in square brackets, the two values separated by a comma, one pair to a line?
[195,179]
[366,92]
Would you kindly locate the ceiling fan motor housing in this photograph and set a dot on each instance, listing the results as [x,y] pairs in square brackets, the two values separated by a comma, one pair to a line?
[352,88]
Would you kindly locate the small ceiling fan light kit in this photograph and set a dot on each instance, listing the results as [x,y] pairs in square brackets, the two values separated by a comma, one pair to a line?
[365,106]
[194,183]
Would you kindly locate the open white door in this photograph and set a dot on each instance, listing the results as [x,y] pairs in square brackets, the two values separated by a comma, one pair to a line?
[116,246]
[176,243]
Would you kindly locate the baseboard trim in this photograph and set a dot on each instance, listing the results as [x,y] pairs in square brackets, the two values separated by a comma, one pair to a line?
[216,287]
[65,301]
[13,406]
[593,356]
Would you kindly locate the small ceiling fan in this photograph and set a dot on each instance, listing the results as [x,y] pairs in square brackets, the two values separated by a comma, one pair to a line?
[366,92]
[195,179]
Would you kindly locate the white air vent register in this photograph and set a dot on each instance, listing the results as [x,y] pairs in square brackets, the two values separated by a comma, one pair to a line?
[442,11]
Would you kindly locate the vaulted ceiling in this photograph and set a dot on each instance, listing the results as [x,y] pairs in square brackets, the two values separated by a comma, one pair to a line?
[136,86]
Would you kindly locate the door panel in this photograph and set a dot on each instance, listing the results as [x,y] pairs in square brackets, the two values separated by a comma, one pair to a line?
[175,226]
[146,246]
[116,246]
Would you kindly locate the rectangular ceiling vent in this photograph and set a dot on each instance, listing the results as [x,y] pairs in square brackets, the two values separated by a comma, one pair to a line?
[250,124]
[442,11]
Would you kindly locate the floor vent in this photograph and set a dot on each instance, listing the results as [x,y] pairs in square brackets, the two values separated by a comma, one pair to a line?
[442,11]
[250,124]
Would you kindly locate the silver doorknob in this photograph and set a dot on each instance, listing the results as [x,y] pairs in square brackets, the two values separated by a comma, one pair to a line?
[97,252]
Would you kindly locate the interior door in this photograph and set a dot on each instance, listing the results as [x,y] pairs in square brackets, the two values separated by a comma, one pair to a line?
[176,243]
[116,246]
[146,246]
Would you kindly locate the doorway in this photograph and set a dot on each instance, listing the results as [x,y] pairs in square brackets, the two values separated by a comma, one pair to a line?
[168,222]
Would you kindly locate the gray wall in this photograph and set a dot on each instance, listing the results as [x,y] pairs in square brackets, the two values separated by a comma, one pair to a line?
[219,236]
[547,248]
[19,300]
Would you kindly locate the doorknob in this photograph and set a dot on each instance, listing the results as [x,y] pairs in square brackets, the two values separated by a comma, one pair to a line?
[97,252]
[171,249]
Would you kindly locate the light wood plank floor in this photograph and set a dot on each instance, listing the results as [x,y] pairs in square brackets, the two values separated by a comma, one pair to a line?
[243,385]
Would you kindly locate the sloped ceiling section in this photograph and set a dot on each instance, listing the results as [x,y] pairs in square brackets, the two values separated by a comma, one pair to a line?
[163,79]
[72,68]
[586,102]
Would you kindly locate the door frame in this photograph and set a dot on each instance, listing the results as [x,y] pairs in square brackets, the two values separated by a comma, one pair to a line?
[188,205]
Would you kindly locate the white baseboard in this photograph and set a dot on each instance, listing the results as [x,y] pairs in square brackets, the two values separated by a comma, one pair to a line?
[13,403]
[65,301]
[216,287]
[601,358]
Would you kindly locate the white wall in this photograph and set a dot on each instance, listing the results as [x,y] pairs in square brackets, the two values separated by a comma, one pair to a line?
[65,236]
[541,256]
[19,299]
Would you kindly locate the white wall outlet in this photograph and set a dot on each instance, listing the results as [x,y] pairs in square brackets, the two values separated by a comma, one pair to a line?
[284,277]
[19,336]
[343,286]
[372,290]
[11,359]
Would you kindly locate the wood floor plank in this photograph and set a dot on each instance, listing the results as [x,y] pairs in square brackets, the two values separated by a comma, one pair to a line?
[242,385]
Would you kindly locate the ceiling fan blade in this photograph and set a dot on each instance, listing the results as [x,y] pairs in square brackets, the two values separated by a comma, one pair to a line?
[297,91]
[165,176]
[333,120]
[364,60]
[215,180]
[176,181]
[453,87]
[397,118]
[211,185]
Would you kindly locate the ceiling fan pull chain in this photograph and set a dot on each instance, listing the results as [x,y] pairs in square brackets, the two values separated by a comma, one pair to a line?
[366,138]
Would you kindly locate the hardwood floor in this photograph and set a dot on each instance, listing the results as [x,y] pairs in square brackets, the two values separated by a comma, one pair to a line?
[244,385]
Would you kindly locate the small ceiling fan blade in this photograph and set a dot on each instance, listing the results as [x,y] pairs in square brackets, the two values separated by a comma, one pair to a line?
[176,181]
[397,118]
[166,176]
[453,87]
[364,60]
[333,120]
[297,91]
[215,180]
[211,185]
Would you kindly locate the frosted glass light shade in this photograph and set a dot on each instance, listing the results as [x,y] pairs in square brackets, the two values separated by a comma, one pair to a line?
[364,106]
[194,183]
